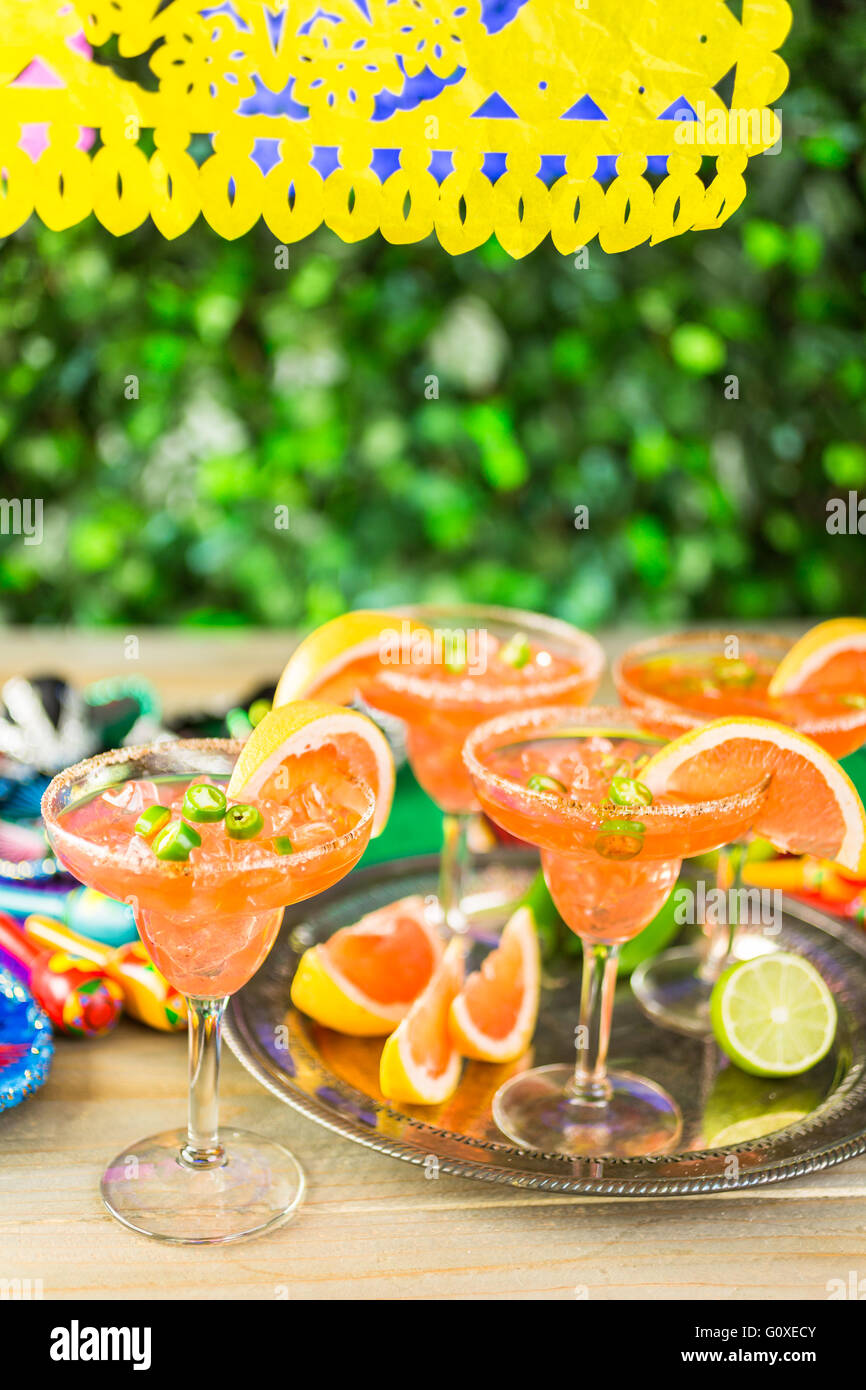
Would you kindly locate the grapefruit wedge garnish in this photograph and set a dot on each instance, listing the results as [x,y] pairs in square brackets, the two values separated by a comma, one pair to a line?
[364,979]
[325,663]
[493,1017]
[420,1064]
[301,730]
[830,658]
[811,806]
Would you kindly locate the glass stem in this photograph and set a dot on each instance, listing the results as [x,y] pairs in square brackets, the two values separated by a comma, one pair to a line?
[720,937]
[453,868]
[203,1148]
[600,961]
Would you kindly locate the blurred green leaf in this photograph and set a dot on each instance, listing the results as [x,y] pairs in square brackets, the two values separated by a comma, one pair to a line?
[697,349]
[215,316]
[845,464]
[765,243]
[429,423]
[503,462]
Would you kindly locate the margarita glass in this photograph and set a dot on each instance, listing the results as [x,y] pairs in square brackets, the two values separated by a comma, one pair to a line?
[688,679]
[208,917]
[471,663]
[680,682]
[567,779]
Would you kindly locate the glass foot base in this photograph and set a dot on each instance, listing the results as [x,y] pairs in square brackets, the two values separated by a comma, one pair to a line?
[671,992]
[447,924]
[151,1190]
[537,1111]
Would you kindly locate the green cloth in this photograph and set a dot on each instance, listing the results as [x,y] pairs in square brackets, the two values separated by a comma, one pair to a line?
[414,826]
[855,766]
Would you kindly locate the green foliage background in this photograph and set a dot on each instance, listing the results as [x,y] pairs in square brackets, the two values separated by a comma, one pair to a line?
[305,388]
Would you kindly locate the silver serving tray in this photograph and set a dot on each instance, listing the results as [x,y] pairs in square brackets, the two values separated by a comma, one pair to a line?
[333,1079]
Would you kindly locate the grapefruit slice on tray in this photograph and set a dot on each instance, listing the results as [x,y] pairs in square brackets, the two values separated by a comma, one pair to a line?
[420,1063]
[812,806]
[493,1017]
[285,745]
[830,658]
[325,663]
[364,979]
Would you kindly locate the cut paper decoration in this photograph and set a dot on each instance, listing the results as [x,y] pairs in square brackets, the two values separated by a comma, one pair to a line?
[467,118]
[37,75]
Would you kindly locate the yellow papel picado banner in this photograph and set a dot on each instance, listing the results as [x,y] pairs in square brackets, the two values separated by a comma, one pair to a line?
[630,120]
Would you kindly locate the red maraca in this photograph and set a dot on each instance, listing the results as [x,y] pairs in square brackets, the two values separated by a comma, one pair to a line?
[77,998]
[147,995]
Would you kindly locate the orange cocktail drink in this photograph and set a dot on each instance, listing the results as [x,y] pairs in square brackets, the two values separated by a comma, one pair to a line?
[569,781]
[685,680]
[442,670]
[208,874]
[209,920]
[476,664]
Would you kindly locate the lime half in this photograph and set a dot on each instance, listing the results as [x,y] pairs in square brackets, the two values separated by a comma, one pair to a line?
[774,1015]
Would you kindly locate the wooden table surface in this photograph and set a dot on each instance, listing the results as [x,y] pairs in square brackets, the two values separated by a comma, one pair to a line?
[372,1227]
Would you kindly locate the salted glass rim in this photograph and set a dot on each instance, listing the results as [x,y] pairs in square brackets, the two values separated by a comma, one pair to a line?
[256,858]
[423,688]
[687,719]
[583,720]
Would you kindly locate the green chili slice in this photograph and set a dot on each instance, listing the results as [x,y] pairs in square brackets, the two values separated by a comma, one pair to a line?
[176,841]
[539,783]
[243,822]
[203,802]
[626,791]
[517,651]
[620,839]
[152,820]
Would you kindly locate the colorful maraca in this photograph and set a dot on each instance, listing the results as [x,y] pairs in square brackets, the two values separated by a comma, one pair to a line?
[78,998]
[147,994]
[83,909]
